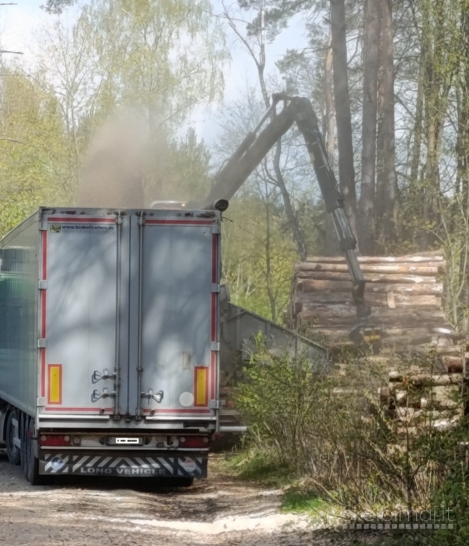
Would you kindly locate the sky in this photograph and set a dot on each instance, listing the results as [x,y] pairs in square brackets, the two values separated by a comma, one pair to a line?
[19,23]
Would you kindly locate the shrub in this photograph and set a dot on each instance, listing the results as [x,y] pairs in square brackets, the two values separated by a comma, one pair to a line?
[331,431]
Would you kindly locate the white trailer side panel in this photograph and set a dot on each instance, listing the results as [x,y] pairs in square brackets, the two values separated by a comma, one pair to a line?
[19,315]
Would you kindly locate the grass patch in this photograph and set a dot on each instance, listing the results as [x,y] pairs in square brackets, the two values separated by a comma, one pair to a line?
[255,466]
[304,502]
[260,467]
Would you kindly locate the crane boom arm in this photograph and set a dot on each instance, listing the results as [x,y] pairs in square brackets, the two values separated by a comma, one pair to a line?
[256,146]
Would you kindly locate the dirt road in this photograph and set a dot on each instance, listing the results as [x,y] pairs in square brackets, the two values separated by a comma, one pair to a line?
[216,511]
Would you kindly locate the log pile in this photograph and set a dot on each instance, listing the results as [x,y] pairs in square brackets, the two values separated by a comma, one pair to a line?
[405,293]
[423,403]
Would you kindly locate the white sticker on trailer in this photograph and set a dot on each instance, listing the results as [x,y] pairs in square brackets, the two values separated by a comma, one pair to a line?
[188,464]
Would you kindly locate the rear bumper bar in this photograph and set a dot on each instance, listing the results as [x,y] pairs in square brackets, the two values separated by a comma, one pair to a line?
[128,464]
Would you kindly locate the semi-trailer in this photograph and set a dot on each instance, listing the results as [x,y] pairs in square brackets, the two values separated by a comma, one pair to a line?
[109,342]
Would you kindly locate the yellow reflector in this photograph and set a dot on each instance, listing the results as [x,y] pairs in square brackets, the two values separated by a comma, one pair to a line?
[200,387]
[55,383]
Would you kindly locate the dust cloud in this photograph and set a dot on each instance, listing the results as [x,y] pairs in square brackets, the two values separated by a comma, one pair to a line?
[112,172]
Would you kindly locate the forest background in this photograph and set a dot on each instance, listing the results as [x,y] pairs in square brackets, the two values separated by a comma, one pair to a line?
[389,80]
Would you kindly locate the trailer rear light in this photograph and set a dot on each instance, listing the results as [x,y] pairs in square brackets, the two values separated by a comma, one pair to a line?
[54,440]
[196,441]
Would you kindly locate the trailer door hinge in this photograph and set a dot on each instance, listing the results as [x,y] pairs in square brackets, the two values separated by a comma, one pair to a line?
[215,346]
[216,229]
[215,288]
[214,404]
[41,343]
[42,285]
[41,401]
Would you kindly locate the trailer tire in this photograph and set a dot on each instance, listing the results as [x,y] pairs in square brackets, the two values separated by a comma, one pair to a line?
[182,482]
[24,445]
[13,451]
[32,462]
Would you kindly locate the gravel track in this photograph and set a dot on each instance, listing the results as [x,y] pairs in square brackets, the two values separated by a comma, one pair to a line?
[218,511]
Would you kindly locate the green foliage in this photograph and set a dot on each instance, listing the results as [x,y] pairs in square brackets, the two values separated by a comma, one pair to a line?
[165,57]
[161,58]
[57,6]
[339,445]
[178,170]
[260,466]
[303,502]
[31,146]
[258,256]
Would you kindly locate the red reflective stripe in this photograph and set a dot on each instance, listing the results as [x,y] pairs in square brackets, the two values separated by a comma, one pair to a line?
[82,220]
[214,302]
[214,258]
[111,410]
[213,336]
[44,255]
[43,313]
[180,222]
[214,324]
[169,411]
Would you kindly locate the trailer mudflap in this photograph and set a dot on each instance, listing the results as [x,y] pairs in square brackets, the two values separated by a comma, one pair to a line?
[124,464]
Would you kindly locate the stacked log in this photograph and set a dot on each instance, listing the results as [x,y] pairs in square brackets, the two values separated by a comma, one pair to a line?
[405,293]
[423,402]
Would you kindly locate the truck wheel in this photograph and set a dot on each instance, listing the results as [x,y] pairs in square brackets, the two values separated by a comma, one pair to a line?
[12,434]
[32,471]
[182,482]
[24,445]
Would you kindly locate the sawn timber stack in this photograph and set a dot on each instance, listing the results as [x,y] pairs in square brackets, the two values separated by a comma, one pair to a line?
[405,293]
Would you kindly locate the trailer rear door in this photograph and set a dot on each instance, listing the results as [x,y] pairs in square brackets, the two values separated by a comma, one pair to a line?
[78,311]
[179,330]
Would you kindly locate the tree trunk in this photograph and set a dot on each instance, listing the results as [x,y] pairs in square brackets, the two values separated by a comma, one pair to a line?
[331,246]
[370,91]
[268,260]
[440,69]
[463,121]
[417,143]
[380,205]
[386,181]
[342,109]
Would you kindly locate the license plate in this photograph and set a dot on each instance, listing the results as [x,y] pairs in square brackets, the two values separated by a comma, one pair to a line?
[126,441]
